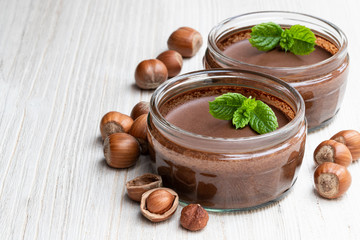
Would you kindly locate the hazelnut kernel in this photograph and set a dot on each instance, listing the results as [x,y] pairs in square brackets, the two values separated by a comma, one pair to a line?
[194,217]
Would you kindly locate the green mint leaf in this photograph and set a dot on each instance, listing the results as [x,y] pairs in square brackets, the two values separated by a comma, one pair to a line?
[265,36]
[224,106]
[287,40]
[263,119]
[299,40]
[242,115]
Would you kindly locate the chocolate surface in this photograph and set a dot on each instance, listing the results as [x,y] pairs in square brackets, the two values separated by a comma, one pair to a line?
[193,116]
[244,52]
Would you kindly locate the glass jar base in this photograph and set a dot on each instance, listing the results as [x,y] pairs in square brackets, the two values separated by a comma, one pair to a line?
[271,202]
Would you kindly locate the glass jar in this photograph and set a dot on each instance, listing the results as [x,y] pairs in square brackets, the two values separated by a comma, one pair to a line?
[322,85]
[225,174]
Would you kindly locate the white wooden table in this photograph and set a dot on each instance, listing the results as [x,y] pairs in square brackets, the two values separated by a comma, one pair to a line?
[65,63]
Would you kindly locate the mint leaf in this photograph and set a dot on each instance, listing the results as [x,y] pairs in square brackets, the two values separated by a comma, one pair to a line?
[286,41]
[298,39]
[263,119]
[242,115]
[224,106]
[265,36]
[243,111]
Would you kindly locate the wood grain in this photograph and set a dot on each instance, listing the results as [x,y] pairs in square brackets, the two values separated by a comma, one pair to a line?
[65,63]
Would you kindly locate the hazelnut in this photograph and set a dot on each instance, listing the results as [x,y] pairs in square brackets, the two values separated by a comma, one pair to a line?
[139,131]
[351,139]
[186,41]
[115,122]
[173,62]
[332,151]
[139,185]
[121,150]
[139,109]
[149,74]
[331,180]
[194,217]
[159,204]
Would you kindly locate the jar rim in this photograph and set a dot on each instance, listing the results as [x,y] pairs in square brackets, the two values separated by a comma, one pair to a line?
[216,51]
[195,76]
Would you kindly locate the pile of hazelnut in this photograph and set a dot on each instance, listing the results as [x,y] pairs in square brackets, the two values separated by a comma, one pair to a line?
[184,42]
[331,177]
[125,137]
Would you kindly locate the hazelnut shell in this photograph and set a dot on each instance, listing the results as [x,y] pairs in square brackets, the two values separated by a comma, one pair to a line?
[173,62]
[149,74]
[137,186]
[332,151]
[351,139]
[115,122]
[139,109]
[185,40]
[139,131]
[121,150]
[153,217]
[331,180]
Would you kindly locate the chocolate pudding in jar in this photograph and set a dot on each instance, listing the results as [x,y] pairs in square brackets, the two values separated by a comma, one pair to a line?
[320,77]
[206,160]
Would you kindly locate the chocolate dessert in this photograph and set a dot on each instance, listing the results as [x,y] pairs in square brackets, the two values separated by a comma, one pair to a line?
[224,174]
[320,77]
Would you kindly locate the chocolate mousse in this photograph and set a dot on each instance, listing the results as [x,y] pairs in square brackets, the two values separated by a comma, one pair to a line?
[193,116]
[320,77]
[245,52]
[217,178]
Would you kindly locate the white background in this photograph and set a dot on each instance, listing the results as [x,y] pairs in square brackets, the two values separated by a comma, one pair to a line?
[65,63]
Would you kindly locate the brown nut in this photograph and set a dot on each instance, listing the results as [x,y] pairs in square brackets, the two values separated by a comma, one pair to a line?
[121,150]
[115,122]
[194,217]
[331,180]
[149,74]
[173,62]
[159,204]
[186,41]
[332,151]
[139,185]
[138,130]
[139,109]
[351,139]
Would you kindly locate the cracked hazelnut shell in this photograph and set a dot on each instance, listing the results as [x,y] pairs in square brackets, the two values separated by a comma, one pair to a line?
[139,185]
[161,206]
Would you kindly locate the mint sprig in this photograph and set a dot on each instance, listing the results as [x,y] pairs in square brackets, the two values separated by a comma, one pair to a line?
[243,111]
[298,39]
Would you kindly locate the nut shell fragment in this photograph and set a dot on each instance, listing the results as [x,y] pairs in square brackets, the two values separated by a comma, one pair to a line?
[153,217]
[139,185]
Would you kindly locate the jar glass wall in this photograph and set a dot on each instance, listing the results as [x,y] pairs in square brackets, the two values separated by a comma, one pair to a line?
[226,174]
[321,84]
